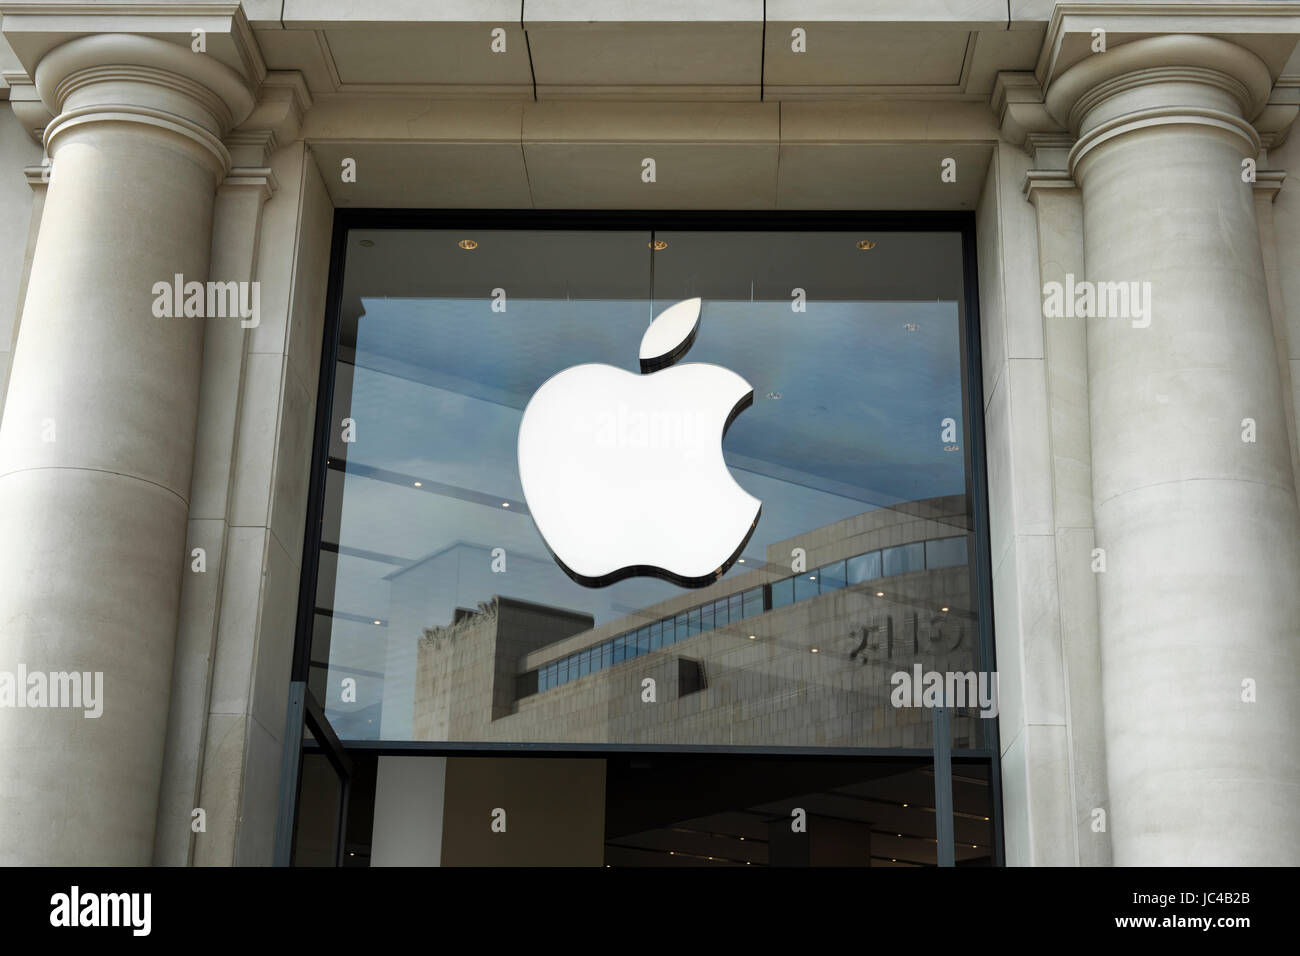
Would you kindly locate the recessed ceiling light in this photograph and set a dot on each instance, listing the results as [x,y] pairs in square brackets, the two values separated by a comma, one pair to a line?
[467,244]
[812,577]
[774,396]
[944,609]
[378,622]
[880,594]
[366,243]
[865,245]
[752,637]
[658,245]
[418,484]
[742,560]
[505,504]
[905,804]
[814,650]
[910,326]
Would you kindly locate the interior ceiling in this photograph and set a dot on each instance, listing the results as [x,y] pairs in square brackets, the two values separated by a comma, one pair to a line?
[670,810]
[618,264]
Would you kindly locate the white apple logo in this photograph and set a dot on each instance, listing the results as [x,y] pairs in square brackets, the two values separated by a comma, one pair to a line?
[624,473]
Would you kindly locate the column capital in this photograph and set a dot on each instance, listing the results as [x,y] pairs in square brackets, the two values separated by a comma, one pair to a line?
[1157,81]
[126,78]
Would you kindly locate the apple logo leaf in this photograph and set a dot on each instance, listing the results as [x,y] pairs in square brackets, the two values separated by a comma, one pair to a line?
[670,336]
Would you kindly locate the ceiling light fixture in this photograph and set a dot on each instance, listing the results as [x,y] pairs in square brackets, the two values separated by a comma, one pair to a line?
[865,245]
[418,484]
[467,244]
[366,243]
[659,245]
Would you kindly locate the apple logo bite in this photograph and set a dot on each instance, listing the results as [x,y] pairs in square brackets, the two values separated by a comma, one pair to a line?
[624,473]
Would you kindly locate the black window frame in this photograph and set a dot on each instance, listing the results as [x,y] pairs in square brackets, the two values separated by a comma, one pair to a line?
[866,222]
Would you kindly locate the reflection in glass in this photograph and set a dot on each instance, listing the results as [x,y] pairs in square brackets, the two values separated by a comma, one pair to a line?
[482,637]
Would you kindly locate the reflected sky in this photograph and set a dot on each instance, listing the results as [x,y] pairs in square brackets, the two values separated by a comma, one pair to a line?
[848,403]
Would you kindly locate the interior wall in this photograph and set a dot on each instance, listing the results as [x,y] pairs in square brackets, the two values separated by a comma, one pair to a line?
[409,798]
[548,811]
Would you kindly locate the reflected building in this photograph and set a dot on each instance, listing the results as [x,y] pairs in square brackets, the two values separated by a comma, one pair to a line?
[765,657]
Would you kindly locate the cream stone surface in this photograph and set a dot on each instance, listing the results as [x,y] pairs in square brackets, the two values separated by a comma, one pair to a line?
[16,221]
[1121,690]
[1187,511]
[108,442]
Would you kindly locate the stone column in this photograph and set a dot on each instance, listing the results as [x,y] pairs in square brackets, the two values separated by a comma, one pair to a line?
[1200,598]
[97,442]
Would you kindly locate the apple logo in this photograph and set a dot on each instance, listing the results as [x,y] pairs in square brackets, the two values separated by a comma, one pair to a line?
[624,473]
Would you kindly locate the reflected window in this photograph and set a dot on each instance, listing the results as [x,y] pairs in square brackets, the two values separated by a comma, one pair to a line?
[945,552]
[904,558]
[831,576]
[863,567]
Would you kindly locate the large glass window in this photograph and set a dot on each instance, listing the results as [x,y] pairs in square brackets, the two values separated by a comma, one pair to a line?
[441,613]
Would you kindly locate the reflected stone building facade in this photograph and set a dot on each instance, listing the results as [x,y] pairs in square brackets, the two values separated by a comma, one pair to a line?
[812,668]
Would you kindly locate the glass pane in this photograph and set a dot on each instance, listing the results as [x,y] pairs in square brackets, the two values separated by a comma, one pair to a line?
[945,552]
[904,558]
[838,444]
[864,567]
[831,576]
[319,796]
